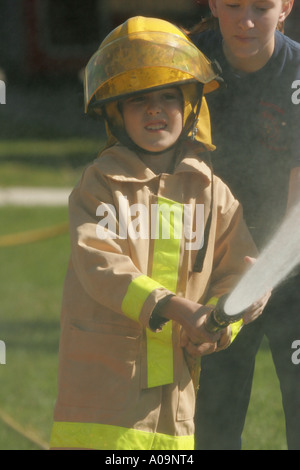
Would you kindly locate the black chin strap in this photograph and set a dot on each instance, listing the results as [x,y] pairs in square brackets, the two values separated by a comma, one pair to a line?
[199,261]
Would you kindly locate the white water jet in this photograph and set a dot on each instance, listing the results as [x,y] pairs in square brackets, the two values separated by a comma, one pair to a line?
[275,263]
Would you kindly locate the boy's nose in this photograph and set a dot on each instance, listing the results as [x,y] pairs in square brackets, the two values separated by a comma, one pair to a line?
[154,106]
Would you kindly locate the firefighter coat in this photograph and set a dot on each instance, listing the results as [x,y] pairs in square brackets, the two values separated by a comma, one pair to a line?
[135,236]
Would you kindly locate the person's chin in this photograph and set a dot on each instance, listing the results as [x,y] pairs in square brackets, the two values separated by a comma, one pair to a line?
[241,49]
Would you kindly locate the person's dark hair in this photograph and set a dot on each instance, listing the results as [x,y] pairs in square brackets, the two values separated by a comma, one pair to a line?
[211,23]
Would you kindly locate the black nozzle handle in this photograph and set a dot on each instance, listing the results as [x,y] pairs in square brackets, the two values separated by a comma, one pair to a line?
[218,319]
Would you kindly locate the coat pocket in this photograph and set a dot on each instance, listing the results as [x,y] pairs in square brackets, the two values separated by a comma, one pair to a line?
[100,370]
[186,396]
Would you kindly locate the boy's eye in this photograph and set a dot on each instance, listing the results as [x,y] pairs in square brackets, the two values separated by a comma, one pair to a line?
[170,96]
[173,95]
[137,99]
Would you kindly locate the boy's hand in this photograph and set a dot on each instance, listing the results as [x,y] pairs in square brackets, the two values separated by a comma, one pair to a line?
[205,348]
[192,317]
[225,339]
[196,350]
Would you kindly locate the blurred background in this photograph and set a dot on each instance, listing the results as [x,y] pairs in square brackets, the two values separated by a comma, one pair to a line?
[46,140]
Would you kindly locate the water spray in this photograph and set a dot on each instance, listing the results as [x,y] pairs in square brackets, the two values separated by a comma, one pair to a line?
[279,258]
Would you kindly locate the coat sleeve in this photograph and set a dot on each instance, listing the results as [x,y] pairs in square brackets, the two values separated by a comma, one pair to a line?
[232,243]
[103,265]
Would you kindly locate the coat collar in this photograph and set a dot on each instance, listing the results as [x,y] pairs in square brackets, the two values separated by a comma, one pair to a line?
[121,164]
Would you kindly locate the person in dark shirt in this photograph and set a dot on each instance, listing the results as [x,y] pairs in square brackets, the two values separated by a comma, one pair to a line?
[255,127]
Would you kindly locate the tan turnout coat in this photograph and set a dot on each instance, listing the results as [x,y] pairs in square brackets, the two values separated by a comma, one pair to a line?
[105,399]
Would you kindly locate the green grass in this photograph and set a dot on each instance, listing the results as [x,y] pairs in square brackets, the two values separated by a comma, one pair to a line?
[19,174]
[31,280]
[265,425]
[35,162]
[45,149]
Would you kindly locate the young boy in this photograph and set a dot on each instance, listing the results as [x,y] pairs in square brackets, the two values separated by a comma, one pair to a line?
[255,127]
[136,279]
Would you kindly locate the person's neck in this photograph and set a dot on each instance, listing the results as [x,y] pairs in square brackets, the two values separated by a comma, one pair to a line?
[161,162]
[249,64]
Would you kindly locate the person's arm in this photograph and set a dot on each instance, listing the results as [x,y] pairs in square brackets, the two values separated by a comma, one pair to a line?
[232,243]
[102,261]
[192,317]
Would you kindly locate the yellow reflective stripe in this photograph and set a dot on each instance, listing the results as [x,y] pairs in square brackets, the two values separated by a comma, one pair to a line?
[235,329]
[136,295]
[96,436]
[165,271]
[160,356]
[213,301]
[167,250]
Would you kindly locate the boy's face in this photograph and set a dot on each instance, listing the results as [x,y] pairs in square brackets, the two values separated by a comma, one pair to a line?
[154,120]
[248,28]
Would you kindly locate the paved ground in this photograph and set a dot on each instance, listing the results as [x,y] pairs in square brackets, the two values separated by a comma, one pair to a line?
[34,196]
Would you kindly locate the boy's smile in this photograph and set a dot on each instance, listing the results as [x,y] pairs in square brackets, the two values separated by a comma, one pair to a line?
[154,120]
[155,125]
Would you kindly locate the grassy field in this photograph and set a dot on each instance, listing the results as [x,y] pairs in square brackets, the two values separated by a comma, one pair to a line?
[31,281]
[35,162]
[265,426]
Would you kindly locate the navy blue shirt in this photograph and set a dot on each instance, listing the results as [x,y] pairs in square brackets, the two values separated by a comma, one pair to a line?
[255,126]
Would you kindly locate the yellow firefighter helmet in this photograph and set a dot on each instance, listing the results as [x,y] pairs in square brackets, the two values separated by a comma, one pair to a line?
[143,54]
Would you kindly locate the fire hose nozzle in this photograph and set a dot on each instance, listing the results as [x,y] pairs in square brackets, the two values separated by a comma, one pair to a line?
[219,319]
